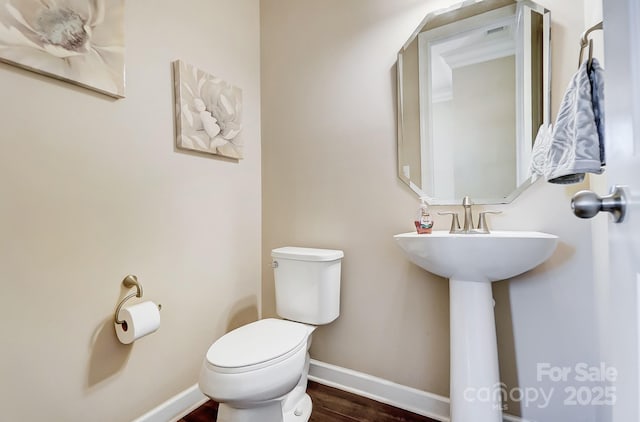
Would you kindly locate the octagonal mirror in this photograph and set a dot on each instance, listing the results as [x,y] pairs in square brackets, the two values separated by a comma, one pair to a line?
[473,91]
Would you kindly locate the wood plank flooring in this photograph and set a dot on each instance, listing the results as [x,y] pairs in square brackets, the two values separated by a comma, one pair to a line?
[330,405]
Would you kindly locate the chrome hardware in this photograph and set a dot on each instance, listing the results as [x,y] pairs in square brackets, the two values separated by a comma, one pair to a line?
[274,264]
[585,42]
[586,204]
[455,222]
[482,221]
[467,226]
[129,282]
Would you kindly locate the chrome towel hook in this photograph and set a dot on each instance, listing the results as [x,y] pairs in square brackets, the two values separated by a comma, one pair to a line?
[129,281]
[586,42]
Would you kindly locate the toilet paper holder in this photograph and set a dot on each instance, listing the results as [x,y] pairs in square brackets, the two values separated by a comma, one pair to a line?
[129,282]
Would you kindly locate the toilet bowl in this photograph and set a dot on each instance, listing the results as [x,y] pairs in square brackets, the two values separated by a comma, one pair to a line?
[255,367]
[258,372]
[258,362]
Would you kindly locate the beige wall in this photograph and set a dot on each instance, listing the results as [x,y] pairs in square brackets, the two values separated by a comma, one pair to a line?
[329,180]
[92,189]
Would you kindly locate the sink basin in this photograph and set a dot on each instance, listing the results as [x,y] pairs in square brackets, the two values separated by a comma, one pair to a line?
[472,262]
[478,257]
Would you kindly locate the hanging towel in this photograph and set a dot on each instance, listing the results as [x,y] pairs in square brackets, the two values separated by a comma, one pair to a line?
[576,144]
[596,77]
[540,151]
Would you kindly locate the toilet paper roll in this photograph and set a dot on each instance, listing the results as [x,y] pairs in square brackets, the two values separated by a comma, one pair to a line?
[139,320]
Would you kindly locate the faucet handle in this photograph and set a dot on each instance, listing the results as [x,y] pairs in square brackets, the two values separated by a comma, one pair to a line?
[455,222]
[466,201]
[482,221]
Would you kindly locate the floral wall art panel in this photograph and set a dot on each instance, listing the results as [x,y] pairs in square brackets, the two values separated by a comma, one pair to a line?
[208,112]
[79,41]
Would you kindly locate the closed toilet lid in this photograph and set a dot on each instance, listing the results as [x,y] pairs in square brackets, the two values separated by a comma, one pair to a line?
[256,343]
[307,254]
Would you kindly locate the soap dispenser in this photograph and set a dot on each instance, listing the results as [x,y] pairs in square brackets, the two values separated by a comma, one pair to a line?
[424,223]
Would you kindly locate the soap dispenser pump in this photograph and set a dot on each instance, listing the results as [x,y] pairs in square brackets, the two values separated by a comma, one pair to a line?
[424,223]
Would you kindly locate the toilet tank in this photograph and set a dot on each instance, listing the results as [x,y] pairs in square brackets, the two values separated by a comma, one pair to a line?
[307,284]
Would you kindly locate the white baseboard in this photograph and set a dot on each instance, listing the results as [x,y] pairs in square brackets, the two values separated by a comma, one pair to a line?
[378,389]
[413,400]
[176,407]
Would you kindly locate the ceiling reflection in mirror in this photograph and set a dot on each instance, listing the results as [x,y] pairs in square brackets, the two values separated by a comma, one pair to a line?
[473,90]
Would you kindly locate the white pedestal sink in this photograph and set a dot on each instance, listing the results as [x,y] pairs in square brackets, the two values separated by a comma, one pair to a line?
[471,262]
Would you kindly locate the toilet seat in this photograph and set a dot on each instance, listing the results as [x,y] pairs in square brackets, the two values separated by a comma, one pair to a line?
[257,345]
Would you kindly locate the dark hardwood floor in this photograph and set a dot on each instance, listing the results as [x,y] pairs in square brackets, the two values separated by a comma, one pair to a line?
[330,405]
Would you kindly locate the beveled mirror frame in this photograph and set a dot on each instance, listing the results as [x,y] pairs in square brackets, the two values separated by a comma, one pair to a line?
[526,130]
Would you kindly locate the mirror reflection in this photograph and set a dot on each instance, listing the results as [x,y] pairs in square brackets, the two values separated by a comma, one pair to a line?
[473,89]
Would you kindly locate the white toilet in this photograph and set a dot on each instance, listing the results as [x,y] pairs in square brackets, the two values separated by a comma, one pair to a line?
[258,372]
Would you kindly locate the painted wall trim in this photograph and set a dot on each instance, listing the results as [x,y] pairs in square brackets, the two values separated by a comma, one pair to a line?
[417,401]
[176,407]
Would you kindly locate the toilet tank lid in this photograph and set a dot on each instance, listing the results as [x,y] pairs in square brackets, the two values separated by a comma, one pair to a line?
[307,254]
[256,343]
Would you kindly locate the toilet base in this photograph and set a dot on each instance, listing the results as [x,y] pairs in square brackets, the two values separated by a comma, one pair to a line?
[269,412]
[301,412]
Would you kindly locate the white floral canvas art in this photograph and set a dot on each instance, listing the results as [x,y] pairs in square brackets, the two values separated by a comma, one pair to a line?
[79,41]
[208,112]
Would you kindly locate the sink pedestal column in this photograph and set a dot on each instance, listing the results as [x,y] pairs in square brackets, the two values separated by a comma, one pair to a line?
[475,379]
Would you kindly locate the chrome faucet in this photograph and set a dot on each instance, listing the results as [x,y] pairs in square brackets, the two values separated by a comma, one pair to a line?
[467,225]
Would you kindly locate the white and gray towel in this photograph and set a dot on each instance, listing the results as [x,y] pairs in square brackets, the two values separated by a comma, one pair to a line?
[575,144]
